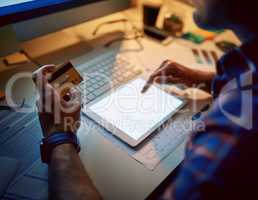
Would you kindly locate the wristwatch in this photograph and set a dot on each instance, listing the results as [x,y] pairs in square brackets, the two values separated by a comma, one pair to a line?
[49,143]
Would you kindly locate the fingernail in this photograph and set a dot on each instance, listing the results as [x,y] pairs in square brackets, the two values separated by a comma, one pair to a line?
[67,97]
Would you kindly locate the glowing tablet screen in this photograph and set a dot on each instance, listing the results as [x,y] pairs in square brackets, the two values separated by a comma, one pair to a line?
[135,113]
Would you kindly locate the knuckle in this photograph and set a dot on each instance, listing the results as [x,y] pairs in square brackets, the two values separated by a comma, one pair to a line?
[167,61]
[172,64]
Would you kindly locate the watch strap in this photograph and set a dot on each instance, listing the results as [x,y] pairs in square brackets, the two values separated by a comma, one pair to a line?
[54,140]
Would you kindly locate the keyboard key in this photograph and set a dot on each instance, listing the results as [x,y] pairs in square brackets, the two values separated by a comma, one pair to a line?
[101,70]
[90,97]
[99,78]
[92,81]
[95,86]
[101,83]
[90,89]
[102,90]
[88,84]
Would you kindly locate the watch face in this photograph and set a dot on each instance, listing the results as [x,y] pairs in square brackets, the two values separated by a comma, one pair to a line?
[43,152]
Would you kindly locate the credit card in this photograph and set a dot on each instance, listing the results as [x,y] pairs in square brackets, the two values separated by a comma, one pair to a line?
[65,77]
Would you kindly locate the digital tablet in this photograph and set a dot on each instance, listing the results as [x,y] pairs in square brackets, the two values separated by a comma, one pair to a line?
[132,116]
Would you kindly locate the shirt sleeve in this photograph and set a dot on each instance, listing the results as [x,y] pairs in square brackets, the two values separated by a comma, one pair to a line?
[197,178]
[202,174]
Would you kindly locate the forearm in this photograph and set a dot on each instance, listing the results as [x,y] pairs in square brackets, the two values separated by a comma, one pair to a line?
[67,177]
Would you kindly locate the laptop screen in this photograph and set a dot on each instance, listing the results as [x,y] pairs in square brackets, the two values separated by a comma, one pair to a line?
[12,11]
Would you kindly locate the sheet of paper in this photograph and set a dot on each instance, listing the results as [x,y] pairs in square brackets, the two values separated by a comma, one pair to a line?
[154,54]
[185,56]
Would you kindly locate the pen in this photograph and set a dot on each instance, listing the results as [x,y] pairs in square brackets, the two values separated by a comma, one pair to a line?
[150,81]
[146,86]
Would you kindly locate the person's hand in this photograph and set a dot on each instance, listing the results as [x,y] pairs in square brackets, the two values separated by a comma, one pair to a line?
[173,73]
[56,113]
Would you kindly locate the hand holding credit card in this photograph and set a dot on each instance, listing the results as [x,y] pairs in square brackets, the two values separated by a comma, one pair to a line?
[65,77]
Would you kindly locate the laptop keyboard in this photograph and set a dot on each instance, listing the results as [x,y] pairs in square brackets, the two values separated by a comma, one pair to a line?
[104,74]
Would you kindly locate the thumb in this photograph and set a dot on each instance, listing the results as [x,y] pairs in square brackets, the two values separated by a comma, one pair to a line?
[40,75]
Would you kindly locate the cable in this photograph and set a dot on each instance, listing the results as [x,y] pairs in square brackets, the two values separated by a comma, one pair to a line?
[136,38]
[108,23]
[137,33]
